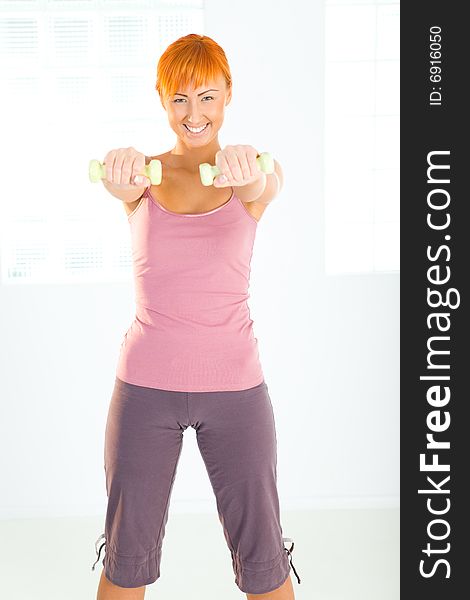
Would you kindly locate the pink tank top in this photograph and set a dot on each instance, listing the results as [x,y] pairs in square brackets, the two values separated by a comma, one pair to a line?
[192,330]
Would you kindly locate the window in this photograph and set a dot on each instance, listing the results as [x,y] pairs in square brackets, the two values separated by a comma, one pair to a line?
[78,78]
[362,136]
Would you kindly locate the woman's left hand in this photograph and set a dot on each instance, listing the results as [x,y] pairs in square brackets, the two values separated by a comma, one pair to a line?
[238,165]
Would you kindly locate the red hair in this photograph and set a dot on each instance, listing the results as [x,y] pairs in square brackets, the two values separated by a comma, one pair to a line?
[191,59]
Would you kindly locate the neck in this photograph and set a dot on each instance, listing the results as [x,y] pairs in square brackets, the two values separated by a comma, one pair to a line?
[191,157]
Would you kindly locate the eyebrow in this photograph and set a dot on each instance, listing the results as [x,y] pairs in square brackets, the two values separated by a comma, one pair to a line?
[178,94]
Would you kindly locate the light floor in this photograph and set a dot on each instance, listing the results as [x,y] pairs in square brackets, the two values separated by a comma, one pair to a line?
[339,555]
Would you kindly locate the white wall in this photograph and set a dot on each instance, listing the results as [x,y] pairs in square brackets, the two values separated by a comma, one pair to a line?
[329,346]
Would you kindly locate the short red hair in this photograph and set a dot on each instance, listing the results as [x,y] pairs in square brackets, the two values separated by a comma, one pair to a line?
[191,59]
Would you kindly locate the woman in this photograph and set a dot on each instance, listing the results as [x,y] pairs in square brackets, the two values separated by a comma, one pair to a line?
[190,357]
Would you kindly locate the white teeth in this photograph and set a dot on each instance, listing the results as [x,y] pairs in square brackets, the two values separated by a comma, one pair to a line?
[193,130]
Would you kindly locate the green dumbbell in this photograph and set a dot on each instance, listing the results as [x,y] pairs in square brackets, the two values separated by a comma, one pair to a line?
[153,171]
[208,172]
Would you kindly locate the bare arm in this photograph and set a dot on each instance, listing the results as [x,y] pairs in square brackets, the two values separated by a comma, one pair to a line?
[129,197]
[125,195]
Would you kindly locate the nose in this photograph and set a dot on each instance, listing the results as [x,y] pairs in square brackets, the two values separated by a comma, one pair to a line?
[194,113]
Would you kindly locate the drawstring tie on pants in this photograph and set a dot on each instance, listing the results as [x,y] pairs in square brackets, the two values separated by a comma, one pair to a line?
[96,549]
[288,550]
[289,553]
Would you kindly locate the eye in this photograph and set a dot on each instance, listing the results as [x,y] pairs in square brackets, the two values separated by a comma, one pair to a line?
[182,99]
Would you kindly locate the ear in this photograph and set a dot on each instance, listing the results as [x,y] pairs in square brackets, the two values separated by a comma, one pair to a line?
[229,96]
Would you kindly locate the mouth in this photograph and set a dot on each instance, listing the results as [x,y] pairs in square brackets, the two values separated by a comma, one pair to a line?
[197,131]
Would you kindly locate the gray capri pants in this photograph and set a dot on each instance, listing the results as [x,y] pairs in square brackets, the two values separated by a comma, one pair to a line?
[237,439]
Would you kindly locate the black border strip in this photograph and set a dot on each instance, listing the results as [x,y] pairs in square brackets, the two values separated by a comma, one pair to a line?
[435,252]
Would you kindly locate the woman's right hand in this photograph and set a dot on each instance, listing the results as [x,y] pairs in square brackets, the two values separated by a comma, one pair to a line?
[125,168]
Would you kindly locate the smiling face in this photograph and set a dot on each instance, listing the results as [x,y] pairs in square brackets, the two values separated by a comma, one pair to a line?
[196,108]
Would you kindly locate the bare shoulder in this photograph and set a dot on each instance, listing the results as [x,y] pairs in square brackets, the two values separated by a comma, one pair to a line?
[273,185]
[256,209]
[129,207]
